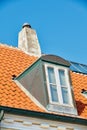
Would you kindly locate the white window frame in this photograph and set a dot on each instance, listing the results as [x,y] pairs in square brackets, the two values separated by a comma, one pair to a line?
[60,98]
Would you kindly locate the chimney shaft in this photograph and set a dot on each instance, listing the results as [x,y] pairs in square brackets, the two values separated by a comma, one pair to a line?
[28,41]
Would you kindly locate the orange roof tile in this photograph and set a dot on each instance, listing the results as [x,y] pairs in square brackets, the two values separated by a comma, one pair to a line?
[13,62]
[79,82]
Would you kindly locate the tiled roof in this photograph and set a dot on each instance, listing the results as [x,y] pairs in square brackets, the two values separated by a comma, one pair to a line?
[14,61]
[79,82]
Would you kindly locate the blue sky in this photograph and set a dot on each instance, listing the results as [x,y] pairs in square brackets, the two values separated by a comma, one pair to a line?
[61,25]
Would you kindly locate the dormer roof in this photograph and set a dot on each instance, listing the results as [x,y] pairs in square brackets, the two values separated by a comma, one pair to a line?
[55,59]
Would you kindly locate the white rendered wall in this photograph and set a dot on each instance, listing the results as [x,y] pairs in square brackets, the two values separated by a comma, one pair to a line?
[14,122]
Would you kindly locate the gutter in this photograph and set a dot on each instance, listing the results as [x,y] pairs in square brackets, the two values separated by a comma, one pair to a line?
[42,115]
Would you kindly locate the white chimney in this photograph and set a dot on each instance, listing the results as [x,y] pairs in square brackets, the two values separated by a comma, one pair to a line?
[28,41]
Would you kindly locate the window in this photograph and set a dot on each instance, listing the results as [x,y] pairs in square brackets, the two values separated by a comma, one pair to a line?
[58,84]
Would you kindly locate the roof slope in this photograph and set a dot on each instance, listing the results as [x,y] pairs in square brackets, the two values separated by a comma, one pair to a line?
[79,82]
[14,62]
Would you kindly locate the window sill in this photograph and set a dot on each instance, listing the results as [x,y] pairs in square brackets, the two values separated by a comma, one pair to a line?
[59,104]
[62,109]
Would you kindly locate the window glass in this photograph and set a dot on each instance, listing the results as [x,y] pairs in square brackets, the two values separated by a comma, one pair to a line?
[65,95]
[54,94]
[57,85]
[62,77]
[51,75]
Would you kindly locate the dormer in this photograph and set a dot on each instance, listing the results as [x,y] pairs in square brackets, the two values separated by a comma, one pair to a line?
[48,81]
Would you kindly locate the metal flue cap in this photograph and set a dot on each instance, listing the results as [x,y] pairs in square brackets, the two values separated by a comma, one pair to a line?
[26,25]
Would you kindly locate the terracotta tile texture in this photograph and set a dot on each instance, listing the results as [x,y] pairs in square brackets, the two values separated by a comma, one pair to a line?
[79,82]
[13,62]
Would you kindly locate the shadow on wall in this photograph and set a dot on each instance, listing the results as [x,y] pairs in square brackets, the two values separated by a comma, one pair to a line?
[81,107]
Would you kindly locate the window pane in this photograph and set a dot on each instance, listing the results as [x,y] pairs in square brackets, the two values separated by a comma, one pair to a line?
[54,94]
[65,95]
[62,77]
[51,75]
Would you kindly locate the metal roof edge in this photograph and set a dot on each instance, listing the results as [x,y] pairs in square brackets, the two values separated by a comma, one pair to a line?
[28,68]
[54,63]
[43,115]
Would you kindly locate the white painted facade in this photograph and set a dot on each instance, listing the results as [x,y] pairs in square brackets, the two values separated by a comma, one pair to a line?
[15,122]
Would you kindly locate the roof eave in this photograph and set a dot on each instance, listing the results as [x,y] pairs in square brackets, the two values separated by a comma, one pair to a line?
[67,119]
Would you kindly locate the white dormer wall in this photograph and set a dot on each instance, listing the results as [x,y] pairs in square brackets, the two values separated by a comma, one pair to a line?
[28,41]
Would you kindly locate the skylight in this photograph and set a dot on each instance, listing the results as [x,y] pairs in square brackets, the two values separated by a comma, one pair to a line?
[77,67]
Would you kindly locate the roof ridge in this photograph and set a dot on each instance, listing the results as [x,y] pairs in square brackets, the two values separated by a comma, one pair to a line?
[10,46]
[16,48]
